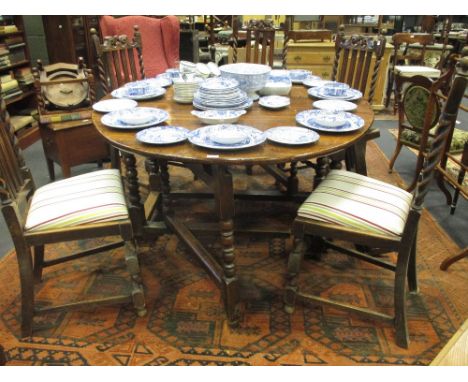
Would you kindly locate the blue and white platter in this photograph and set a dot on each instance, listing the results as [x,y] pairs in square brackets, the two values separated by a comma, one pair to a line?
[244,105]
[292,135]
[308,118]
[162,135]
[241,137]
[152,92]
[349,95]
[334,105]
[274,102]
[299,75]
[108,105]
[136,118]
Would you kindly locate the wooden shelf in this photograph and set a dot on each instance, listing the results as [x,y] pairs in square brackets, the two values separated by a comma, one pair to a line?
[19,97]
[15,65]
[19,32]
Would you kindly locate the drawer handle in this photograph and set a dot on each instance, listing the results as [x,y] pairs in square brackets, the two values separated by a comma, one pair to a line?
[297,58]
[325,75]
[326,58]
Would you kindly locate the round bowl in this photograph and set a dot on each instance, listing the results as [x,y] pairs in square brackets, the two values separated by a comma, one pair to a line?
[138,89]
[228,136]
[334,88]
[251,77]
[137,119]
[215,117]
[330,118]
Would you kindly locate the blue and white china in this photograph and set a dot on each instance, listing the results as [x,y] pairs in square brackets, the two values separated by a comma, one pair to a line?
[138,89]
[209,136]
[135,118]
[251,77]
[130,92]
[217,116]
[299,75]
[330,118]
[187,67]
[274,102]
[334,105]
[108,105]
[220,93]
[242,106]
[219,84]
[349,95]
[202,69]
[173,73]
[334,88]
[307,118]
[314,81]
[292,135]
[185,87]
[162,135]
[213,69]
[163,80]
[278,83]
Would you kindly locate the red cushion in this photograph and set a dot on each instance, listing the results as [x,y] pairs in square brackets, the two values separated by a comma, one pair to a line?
[160,38]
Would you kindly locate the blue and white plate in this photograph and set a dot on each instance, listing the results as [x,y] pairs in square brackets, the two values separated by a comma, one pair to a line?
[244,105]
[203,136]
[274,102]
[308,118]
[292,135]
[299,75]
[349,95]
[334,105]
[152,92]
[136,118]
[219,84]
[313,81]
[163,80]
[162,135]
[216,116]
[108,105]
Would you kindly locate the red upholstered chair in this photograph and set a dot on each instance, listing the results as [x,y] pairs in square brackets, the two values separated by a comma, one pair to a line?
[160,38]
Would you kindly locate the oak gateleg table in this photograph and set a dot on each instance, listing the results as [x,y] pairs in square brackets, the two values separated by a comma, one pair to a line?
[212,167]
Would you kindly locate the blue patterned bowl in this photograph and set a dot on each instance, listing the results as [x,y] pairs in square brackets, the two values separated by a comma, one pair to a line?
[334,88]
[251,77]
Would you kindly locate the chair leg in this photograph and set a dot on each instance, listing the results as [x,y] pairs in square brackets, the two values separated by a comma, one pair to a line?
[412,269]
[26,275]
[394,156]
[294,264]
[131,259]
[401,325]
[38,262]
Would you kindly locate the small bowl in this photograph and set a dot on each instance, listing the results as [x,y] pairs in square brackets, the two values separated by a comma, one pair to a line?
[215,117]
[137,119]
[330,118]
[227,136]
[138,89]
[334,88]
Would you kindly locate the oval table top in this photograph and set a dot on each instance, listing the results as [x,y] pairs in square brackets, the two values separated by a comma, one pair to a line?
[257,116]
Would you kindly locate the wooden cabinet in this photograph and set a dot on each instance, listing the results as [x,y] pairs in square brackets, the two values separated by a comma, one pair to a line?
[68,38]
[319,56]
[17,80]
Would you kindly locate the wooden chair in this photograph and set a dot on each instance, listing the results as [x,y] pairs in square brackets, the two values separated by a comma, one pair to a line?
[120,59]
[82,207]
[65,93]
[405,62]
[262,34]
[418,113]
[367,212]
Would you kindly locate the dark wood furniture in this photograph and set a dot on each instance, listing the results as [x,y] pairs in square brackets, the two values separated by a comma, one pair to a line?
[2,356]
[402,55]
[65,93]
[322,232]
[119,58]
[212,167]
[17,192]
[418,112]
[19,64]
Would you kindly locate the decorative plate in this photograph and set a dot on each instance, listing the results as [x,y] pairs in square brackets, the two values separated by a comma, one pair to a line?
[216,116]
[203,136]
[307,118]
[119,119]
[314,81]
[162,135]
[299,75]
[349,95]
[292,135]
[65,94]
[274,102]
[153,92]
[334,105]
[109,105]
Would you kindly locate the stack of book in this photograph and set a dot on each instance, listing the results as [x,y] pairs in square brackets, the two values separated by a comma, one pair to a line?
[14,41]
[4,56]
[5,29]
[24,76]
[10,87]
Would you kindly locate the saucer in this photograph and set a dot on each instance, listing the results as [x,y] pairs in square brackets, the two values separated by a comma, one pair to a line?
[274,102]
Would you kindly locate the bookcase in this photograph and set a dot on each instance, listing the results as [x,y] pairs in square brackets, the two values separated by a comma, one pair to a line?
[17,80]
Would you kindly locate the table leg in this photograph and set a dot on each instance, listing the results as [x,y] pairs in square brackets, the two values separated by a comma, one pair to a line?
[293,180]
[322,169]
[153,169]
[224,199]
[165,188]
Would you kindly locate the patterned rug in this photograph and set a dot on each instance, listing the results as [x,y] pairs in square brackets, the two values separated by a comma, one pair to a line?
[186,324]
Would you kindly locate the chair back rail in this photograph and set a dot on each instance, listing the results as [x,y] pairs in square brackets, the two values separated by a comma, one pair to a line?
[120,59]
[263,36]
[353,61]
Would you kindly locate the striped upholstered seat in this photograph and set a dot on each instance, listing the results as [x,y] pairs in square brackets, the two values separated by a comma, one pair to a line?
[358,202]
[95,197]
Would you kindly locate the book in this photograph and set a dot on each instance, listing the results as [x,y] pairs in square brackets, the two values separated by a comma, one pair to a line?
[20,121]
[6,86]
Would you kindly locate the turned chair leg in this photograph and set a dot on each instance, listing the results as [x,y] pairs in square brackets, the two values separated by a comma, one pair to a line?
[133,266]
[294,264]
